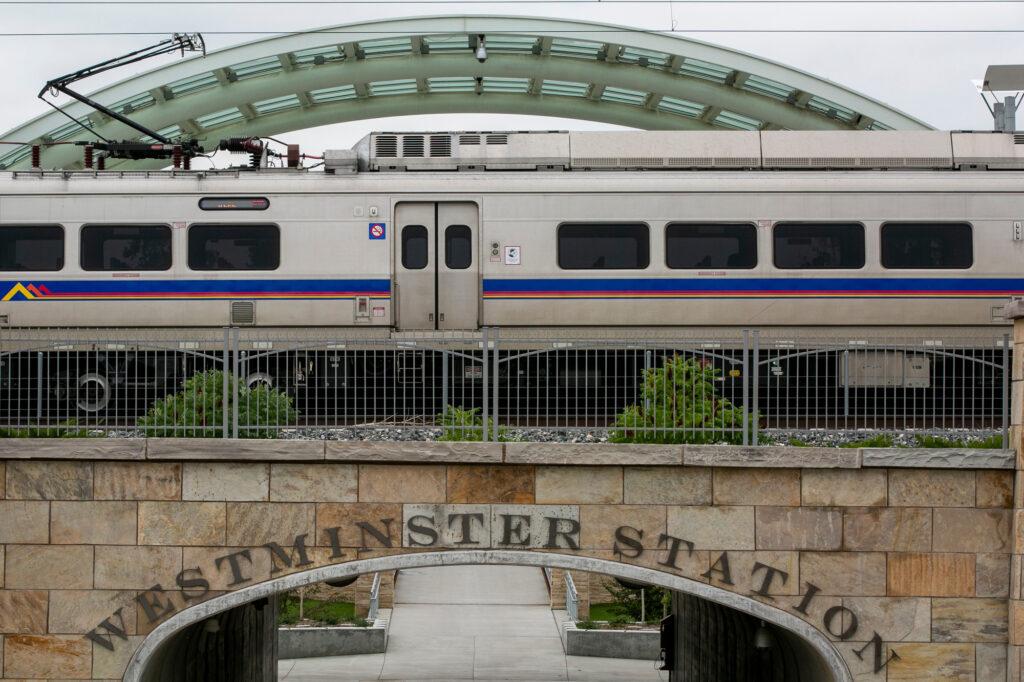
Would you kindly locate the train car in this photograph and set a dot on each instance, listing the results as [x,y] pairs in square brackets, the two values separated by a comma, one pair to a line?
[550,233]
[457,231]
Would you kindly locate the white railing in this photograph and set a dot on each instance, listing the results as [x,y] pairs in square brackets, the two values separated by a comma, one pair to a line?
[374,599]
[572,599]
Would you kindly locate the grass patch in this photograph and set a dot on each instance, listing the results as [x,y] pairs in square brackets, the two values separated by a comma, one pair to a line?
[994,442]
[605,612]
[329,613]
[66,429]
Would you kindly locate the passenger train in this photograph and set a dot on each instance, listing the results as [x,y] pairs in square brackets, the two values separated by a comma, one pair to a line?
[414,232]
[547,232]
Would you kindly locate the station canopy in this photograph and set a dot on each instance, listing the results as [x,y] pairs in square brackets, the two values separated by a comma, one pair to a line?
[429,65]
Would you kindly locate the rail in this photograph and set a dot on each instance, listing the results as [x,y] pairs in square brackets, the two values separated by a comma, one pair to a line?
[747,387]
[572,599]
[371,614]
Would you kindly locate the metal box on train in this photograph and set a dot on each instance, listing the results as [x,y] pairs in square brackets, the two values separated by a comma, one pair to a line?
[884,369]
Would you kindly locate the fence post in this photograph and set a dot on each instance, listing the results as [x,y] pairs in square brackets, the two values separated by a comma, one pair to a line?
[485,415]
[236,361]
[746,386]
[444,381]
[1007,371]
[39,387]
[226,353]
[494,379]
[755,377]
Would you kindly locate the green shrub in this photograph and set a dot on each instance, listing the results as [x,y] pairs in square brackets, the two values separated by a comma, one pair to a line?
[882,440]
[626,608]
[65,429]
[360,622]
[994,442]
[459,424]
[197,411]
[585,625]
[680,404]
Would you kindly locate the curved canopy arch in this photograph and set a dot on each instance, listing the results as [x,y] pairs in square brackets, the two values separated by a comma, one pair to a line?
[828,661]
[427,65]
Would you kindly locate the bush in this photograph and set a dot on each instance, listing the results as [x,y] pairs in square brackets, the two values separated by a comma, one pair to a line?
[65,429]
[197,411]
[994,442]
[585,625]
[680,404]
[461,424]
[882,440]
[626,607]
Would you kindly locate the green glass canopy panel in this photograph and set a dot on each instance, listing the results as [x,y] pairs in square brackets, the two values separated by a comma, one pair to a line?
[428,65]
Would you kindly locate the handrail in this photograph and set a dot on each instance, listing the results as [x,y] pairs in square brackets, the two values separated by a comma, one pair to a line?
[572,599]
[371,614]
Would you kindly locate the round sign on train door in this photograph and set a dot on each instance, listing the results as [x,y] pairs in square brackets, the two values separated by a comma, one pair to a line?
[376,230]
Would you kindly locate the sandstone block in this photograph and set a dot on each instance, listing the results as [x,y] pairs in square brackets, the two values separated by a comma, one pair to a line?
[314,482]
[931,575]
[991,661]
[352,522]
[491,484]
[110,665]
[2,562]
[667,485]
[232,481]
[993,575]
[970,620]
[579,485]
[805,528]
[532,525]
[255,567]
[901,619]
[887,529]
[257,523]
[413,452]
[778,487]
[777,456]
[918,662]
[182,523]
[593,453]
[234,450]
[93,523]
[137,481]
[136,568]
[79,611]
[3,483]
[931,488]
[66,657]
[995,489]
[972,530]
[599,522]
[713,527]
[36,480]
[844,487]
[748,580]
[44,567]
[409,483]
[24,522]
[23,611]
[465,526]
[845,573]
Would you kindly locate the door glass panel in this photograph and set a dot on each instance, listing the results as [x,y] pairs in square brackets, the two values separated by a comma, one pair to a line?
[458,247]
[414,247]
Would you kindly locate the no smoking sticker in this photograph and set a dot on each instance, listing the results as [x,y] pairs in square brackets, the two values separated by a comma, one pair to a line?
[378,230]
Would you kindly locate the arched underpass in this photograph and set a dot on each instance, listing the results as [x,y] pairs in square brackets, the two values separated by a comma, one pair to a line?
[715,636]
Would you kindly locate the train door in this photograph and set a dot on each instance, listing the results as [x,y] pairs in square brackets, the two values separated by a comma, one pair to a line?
[437,265]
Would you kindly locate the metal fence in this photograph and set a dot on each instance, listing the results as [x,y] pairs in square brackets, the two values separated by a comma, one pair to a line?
[743,387]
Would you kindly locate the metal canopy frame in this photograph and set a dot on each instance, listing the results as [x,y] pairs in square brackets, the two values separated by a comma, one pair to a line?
[427,65]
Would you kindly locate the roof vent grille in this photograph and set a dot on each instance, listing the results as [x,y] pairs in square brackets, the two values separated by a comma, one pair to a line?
[243,312]
[387,146]
[412,146]
[497,139]
[469,139]
[440,145]
[1018,138]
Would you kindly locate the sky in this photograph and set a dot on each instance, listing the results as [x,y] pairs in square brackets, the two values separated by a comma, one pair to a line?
[927,75]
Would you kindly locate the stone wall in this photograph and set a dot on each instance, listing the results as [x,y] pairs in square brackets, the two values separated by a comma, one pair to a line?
[911,557]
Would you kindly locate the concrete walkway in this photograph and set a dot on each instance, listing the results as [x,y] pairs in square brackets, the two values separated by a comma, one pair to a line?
[471,623]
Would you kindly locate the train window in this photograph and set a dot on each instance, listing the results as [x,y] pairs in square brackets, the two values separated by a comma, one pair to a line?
[234,204]
[32,248]
[126,247]
[819,246]
[697,245]
[927,245]
[414,247]
[458,247]
[234,247]
[603,246]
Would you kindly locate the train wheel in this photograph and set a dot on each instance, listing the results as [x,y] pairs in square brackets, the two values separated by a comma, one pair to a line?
[257,379]
[93,392]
